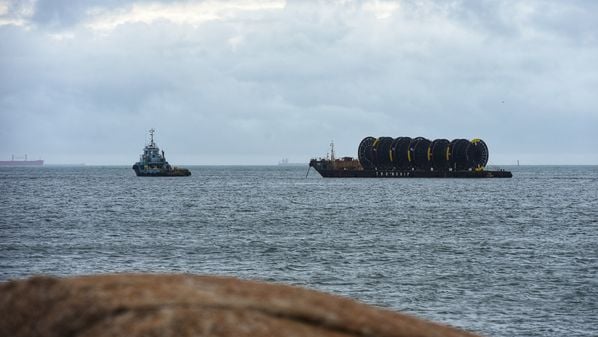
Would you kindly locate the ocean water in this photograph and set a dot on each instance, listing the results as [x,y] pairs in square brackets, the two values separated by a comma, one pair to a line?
[501,257]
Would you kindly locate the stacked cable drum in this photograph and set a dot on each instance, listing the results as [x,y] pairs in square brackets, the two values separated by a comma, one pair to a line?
[421,154]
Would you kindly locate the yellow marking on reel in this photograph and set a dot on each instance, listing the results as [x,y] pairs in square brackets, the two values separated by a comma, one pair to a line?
[408,155]
[430,153]
[448,153]
[390,154]
[475,140]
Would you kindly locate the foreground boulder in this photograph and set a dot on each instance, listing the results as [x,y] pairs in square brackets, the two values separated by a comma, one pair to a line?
[187,305]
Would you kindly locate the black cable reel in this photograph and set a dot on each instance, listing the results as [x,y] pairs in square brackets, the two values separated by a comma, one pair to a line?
[364,153]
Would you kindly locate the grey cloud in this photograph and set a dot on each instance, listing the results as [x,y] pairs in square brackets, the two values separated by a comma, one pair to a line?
[63,13]
[572,20]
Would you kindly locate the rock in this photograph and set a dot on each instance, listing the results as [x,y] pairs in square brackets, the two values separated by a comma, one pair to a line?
[187,305]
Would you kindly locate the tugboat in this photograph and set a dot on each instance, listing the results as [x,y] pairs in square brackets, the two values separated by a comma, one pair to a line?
[152,163]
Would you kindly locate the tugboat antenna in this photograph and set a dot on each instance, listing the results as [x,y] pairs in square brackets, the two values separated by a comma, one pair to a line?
[151,131]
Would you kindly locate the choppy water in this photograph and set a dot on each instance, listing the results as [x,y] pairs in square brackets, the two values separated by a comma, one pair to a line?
[503,257]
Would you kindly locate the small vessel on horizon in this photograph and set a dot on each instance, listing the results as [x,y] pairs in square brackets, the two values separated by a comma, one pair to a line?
[152,163]
[285,162]
[18,162]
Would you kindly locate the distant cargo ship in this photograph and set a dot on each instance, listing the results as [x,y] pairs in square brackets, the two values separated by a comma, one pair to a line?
[406,157]
[18,162]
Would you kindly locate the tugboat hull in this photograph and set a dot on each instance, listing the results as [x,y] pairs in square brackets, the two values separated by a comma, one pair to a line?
[176,172]
[164,174]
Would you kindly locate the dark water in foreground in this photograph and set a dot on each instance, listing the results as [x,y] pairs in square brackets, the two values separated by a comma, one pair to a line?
[513,257]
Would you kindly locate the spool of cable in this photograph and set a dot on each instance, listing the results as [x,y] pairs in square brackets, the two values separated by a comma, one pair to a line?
[477,154]
[364,153]
[381,152]
[439,154]
[420,152]
[400,151]
[411,152]
[459,159]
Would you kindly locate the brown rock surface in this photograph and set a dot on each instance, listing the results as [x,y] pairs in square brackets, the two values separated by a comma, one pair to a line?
[186,305]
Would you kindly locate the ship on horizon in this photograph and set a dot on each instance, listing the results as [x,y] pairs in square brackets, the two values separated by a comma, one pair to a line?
[21,162]
[285,162]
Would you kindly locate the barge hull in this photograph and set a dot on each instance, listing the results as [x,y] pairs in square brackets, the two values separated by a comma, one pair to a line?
[412,174]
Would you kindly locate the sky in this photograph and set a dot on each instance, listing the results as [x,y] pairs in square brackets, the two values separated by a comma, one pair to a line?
[252,82]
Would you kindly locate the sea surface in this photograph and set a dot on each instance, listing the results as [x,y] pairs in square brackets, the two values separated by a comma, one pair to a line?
[501,257]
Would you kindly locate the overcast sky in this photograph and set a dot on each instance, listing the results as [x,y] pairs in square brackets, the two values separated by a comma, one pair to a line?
[251,82]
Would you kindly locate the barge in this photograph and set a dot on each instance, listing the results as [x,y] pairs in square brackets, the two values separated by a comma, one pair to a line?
[406,157]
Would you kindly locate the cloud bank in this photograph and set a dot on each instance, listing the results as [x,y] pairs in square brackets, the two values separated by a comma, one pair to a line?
[250,82]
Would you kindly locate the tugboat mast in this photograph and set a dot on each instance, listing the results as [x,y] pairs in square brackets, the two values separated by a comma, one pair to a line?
[151,131]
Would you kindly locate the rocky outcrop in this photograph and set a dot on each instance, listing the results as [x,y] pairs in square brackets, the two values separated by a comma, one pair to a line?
[187,305]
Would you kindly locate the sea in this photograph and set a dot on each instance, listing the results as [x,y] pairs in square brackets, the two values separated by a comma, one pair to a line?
[500,257]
